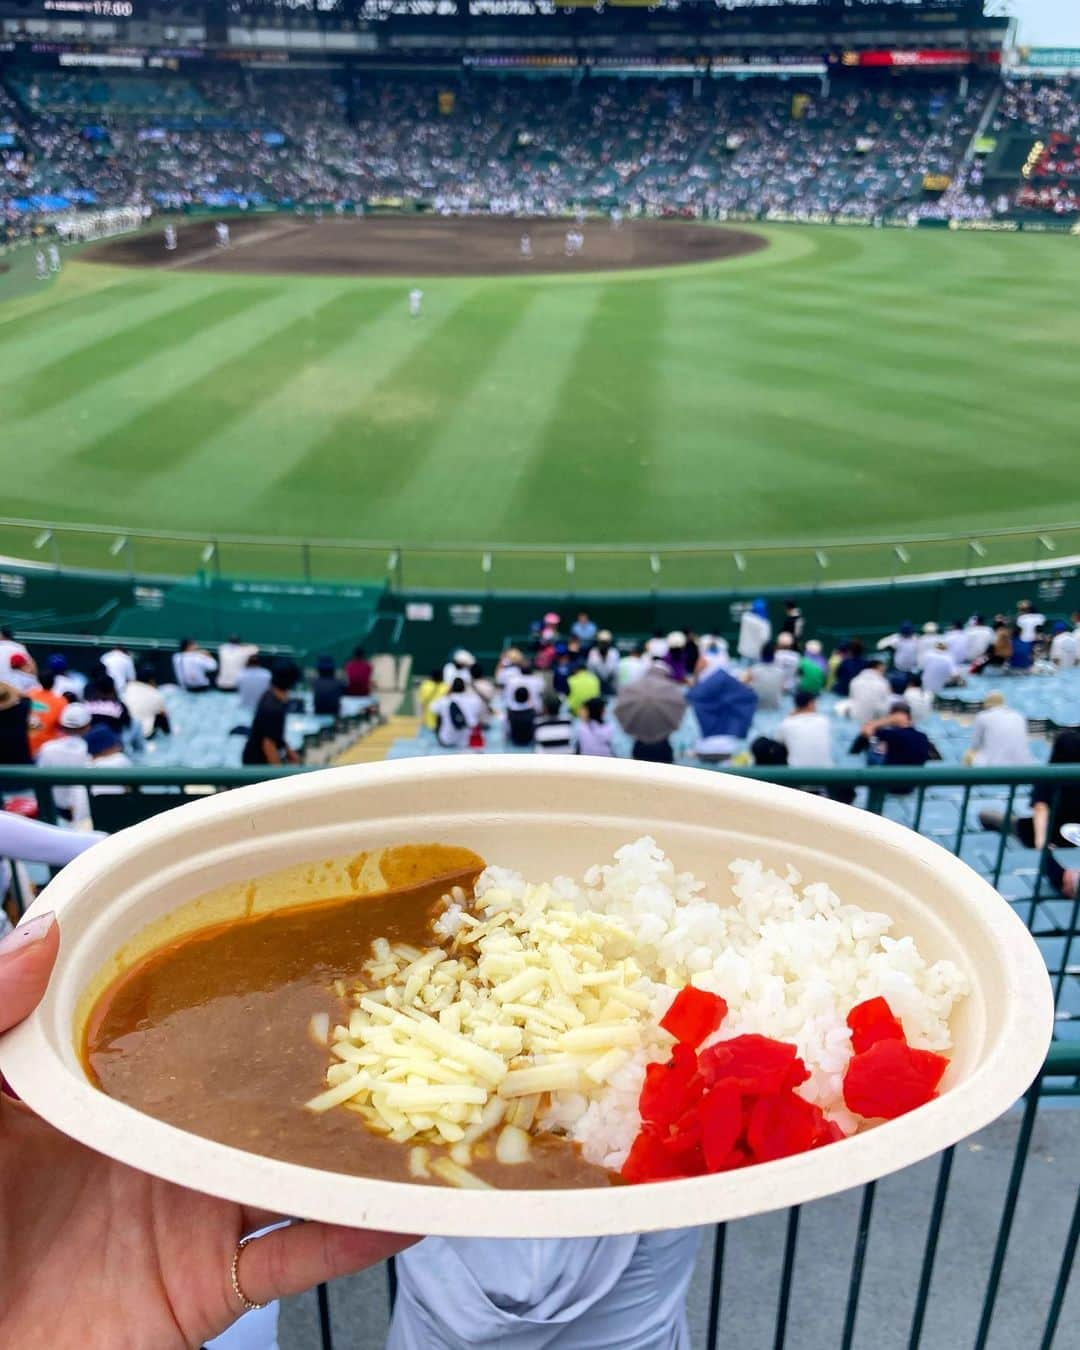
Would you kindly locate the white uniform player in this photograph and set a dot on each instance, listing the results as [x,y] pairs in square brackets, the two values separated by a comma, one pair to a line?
[222,232]
[54,258]
[41,267]
[526,246]
[170,238]
[416,301]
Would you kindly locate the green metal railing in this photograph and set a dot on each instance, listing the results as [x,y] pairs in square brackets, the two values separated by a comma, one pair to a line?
[551,568]
[1053,921]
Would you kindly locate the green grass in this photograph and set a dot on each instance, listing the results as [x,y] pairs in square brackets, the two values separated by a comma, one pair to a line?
[844,383]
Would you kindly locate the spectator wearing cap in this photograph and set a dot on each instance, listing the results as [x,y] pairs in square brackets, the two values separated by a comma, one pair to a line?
[906,650]
[22,673]
[766,679]
[10,647]
[787,660]
[106,751]
[999,735]
[584,630]
[675,657]
[603,661]
[594,734]
[870,693]
[714,655]
[1064,648]
[812,668]
[327,690]
[266,742]
[66,681]
[459,667]
[928,640]
[358,674]
[754,631]
[68,751]
[144,702]
[117,661]
[937,668]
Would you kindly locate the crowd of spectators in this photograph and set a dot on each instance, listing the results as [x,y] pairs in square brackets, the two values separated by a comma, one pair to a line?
[771,695]
[236,137]
[117,713]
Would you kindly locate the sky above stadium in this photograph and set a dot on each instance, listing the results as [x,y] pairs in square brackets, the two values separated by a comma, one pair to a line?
[1046,23]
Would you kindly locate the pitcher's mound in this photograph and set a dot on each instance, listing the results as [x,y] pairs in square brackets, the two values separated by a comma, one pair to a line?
[428,246]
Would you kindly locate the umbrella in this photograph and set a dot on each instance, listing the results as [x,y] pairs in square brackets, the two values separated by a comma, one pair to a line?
[650,708]
[723,705]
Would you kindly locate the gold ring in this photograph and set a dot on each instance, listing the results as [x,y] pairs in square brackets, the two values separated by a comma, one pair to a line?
[246,1303]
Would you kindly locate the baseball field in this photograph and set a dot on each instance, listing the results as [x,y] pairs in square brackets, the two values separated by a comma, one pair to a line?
[678,389]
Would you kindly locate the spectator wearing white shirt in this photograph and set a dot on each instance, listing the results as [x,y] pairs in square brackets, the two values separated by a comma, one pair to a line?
[1064,647]
[233,657]
[553,733]
[714,656]
[66,682]
[754,631]
[117,661]
[106,751]
[193,667]
[593,734]
[457,714]
[956,645]
[927,641]
[937,669]
[604,660]
[459,667]
[766,679]
[999,736]
[787,660]
[870,693]
[806,735]
[9,648]
[632,667]
[1028,620]
[22,674]
[144,702]
[906,650]
[980,636]
[68,751]
[917,699]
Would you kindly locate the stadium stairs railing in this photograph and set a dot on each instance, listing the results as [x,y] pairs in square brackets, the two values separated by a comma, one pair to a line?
[1058,1079]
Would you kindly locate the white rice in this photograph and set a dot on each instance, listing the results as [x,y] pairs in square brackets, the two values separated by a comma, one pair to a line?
[790,960]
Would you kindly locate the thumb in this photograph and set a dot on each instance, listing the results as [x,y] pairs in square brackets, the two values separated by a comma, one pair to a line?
[27,957]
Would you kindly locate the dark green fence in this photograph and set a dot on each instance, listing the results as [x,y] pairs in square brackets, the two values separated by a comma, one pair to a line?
[879,1212]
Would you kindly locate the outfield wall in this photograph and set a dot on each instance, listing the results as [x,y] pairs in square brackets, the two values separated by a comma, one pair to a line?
[67,608]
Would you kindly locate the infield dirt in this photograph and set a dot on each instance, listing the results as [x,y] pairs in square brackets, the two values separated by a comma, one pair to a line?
[425,246]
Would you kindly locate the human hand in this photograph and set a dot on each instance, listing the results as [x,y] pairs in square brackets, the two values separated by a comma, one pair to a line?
[97,1256]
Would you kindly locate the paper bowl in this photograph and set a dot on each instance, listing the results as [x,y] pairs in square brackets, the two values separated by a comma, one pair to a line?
[541,816]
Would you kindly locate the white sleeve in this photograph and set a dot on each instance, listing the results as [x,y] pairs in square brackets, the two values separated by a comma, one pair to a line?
[34,841]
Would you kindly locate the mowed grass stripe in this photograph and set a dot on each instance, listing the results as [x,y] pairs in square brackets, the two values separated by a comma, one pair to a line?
[318,385]
[377,446]
[590,471]
[88,305]
[172,428]
[489,440]
[106,358]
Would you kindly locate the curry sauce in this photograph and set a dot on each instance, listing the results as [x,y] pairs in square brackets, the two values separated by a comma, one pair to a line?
[211,1034]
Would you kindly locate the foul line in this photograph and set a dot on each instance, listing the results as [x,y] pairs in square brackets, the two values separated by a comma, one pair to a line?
[258,237]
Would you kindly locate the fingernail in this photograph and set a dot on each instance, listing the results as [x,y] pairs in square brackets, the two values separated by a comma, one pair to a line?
[28,932]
